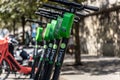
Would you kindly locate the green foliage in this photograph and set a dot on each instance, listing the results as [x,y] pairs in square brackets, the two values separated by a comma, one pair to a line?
[14,9]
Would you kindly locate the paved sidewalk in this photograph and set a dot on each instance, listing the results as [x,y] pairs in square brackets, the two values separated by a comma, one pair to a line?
[86,76]
[94,68]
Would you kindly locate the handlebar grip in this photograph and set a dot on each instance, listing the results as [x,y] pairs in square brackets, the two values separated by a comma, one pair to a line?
[56,7]
[45,13]
[41,9]
[91,8]
[47,16]
[35,21]
[80,14]
[48,11]
[67,3]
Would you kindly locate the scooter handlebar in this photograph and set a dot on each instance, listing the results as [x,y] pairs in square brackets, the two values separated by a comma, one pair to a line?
[58,8]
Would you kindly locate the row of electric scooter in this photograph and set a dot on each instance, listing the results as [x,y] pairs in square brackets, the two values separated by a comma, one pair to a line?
[55,36]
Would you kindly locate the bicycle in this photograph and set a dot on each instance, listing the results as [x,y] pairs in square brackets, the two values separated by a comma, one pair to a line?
[8,62]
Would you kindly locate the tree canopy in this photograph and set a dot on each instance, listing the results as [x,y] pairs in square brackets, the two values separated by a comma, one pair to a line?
[13,10]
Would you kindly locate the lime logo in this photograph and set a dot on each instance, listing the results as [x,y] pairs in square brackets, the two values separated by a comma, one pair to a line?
[63,45]
[55,46]
[45,46]
[50,45]
[36,46]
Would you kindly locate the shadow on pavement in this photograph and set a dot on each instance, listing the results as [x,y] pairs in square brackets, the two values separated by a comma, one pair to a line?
[92,66]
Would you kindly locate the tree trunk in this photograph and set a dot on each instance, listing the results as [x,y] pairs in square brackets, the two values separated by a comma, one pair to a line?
[77,42]
[77,46]
[23,28]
